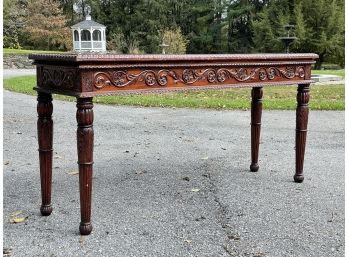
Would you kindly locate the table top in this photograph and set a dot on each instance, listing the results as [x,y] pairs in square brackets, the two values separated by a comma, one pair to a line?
[93,74]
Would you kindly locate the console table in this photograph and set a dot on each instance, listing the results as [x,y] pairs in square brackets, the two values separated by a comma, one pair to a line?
[85,76]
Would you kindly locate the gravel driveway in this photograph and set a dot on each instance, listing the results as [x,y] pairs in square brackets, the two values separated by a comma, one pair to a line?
[175,182]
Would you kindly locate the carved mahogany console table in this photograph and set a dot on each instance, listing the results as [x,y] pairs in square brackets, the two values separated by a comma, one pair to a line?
[88,75]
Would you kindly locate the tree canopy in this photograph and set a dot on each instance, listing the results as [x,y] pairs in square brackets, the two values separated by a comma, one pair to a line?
[191,26]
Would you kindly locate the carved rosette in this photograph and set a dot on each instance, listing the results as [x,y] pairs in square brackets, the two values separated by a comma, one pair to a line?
[262,74]
[151,78]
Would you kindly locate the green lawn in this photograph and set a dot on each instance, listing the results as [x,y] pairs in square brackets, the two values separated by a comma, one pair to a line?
[324,97]
[20,51]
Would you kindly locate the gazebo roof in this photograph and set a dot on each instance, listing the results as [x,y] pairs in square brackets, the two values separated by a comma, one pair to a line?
[87,24]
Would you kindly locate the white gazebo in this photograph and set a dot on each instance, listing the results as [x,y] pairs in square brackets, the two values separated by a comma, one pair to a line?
[89,35]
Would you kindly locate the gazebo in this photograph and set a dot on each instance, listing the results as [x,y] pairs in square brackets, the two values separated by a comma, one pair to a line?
[89,35]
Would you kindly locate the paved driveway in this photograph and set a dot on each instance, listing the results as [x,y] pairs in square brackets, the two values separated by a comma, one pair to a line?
[9,73]
[175,182]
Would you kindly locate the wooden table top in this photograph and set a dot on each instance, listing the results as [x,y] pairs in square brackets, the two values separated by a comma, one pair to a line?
[93,74]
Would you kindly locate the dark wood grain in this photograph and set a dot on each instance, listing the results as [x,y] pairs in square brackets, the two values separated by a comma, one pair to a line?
[256,113]
[302,111]
[45,139]
[85,139]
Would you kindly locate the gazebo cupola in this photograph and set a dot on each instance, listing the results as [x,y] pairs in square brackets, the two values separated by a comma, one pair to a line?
[89,35]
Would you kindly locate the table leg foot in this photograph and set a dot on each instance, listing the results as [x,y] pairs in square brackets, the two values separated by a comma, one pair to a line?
[256,113]
[254,167]
[46,210]
[85,228]
[298,178]
[45,140]
[85,139]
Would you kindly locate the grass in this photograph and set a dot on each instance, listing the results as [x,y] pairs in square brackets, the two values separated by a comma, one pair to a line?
[323,97]
[22,51]
[329,72]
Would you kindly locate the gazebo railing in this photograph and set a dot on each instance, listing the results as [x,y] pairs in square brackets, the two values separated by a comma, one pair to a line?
[88,45]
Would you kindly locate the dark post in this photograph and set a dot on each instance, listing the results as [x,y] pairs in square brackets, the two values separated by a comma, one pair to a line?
[45,139]
[256,113]
[301,129]
[85,138]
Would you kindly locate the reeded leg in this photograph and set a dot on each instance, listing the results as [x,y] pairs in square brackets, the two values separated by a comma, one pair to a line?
[45,139]
[256,113]
[301,129]
[85,137]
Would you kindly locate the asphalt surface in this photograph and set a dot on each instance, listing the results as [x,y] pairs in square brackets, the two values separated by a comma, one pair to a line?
[9,73]
[175,182]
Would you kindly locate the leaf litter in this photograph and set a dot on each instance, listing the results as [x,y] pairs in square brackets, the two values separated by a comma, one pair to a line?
[17,217]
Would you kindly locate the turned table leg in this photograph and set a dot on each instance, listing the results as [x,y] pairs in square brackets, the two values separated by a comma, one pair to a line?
[45,139]
[256,113]
[85,137]
[301,129]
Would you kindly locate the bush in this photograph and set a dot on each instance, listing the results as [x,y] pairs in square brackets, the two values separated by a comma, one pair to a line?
[175,40]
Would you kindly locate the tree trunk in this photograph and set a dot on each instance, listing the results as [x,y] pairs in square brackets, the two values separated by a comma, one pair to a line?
[319,62]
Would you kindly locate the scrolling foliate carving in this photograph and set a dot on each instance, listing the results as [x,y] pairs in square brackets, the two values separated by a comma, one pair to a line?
[288,73]
[54,77]
[122,78]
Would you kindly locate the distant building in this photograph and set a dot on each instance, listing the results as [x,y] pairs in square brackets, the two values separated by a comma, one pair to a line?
[89,35]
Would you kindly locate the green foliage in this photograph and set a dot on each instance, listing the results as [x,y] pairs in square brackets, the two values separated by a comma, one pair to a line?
[46,25]
[175,40]
[239,27]
[324,23]
[13,23]
[269,26]
[207,26]
[264,38]
[319,27]
[300,29]
[117,42]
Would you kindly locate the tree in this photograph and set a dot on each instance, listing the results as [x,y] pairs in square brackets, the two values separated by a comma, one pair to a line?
[13,23]
[324,30]
[209,26]
[46,25]
[117,42]
[269,26]
[240,17]
[300,28]
[264,38]
[175,40]
[319,27]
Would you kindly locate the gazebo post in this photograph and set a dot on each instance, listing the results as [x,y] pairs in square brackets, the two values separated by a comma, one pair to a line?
[79,39]
[92,42]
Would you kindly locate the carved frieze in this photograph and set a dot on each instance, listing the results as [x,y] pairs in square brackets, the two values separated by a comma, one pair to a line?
[54,77]
[193,76]
[86,81]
